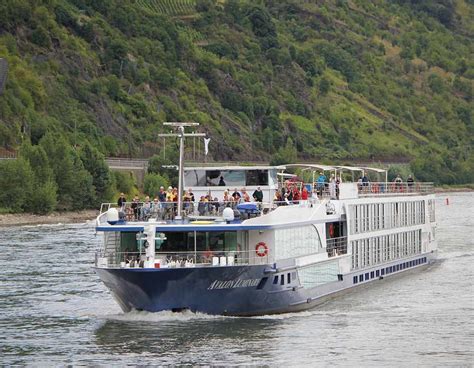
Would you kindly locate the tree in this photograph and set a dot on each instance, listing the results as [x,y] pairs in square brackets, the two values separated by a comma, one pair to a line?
[43,198]
[16,181]
[124,182]
[324,85]
[60,156]
[285,155]
[94,163]
[153,182]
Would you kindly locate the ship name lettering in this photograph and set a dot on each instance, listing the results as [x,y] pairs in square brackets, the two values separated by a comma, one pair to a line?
[232,284]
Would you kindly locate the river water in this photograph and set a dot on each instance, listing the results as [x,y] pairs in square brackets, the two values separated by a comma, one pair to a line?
[54,311]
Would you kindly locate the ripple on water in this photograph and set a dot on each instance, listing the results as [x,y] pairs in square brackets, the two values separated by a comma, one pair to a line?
[54,311]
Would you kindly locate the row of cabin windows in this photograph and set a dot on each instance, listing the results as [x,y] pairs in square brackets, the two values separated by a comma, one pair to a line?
[379,216]
[380,249]
[387,270]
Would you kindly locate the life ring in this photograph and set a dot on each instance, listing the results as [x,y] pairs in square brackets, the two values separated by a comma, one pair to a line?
[261,249]
[331,230]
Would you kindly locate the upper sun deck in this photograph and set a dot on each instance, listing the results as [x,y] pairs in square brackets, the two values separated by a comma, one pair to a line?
[208,215]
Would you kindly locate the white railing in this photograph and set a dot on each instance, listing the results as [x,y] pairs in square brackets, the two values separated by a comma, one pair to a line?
[383,188]
[336,246]
[180,259]
[162,211]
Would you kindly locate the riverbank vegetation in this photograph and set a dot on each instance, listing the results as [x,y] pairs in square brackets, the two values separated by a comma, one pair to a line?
[272,81]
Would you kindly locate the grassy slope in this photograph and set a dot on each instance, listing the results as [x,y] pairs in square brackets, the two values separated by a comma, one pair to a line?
[343,79]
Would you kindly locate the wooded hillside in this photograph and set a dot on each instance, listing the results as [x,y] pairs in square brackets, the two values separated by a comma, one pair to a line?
[269,80]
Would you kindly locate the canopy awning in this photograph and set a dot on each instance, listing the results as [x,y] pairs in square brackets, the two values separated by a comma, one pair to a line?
[309,166]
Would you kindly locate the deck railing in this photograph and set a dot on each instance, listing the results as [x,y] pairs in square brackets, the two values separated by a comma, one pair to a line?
[163,211]
[383,188]
[336,246]
[180,259]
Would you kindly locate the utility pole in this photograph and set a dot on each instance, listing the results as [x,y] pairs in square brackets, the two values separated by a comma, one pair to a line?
[179,127]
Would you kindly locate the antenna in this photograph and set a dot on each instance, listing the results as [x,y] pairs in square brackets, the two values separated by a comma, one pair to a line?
[179,126]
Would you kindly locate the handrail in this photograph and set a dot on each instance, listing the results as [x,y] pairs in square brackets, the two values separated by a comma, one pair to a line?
[180,259]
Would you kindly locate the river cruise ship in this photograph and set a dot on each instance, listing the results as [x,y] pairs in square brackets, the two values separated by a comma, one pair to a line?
[268,255]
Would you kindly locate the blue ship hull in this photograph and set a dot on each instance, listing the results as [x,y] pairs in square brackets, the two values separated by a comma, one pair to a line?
[236,290]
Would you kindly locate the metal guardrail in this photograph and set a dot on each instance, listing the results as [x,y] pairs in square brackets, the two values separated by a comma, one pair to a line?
[180,259]
[162,211]
[336,246]
[402,188]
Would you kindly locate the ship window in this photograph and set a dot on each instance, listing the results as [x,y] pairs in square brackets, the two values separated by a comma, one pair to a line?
[257,177]
[361,278]
[282,279]
[288,278]
[366,276]
[372,274]
[354,280]
[275,280]
[262,282]
[382,271]
[215,241]
[195,178]
[377,273]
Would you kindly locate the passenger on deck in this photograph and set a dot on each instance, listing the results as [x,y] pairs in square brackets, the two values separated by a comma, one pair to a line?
[304,193]
[221,182]
[258,195]
[314,196]
[169,194]
[321,183]
[410,183]
[359,184]
[121,201]
[227,197]
[398,183]
[277,198]
[296,194]
[365,183]
[202,206]
[188,200]
[135,206]
[146,209]
[155,208]
[236,195]
[338,183]
[162,194]
[245,195]
[332,187]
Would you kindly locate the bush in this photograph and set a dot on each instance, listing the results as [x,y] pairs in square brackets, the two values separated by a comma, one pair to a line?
[43,199]
[124,181]
[16,181]
[152,184]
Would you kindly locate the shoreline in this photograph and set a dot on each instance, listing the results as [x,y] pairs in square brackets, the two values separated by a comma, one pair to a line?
[452,190]
[67,217]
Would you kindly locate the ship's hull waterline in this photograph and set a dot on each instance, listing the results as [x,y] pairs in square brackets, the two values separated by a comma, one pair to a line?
[236,290]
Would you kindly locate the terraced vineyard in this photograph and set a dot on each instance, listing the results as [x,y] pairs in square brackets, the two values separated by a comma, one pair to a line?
[169,7]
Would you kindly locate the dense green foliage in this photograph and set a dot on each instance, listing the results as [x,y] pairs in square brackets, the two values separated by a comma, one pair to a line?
[269,80]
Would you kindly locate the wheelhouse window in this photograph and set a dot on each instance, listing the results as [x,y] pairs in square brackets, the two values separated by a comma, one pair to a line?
[257,177]
[228,178]
[222,241]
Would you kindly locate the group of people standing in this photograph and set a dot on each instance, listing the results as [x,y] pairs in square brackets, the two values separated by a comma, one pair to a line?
[164,204]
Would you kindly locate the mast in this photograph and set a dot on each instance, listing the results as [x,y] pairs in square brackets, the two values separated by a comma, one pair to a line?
[179,127]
